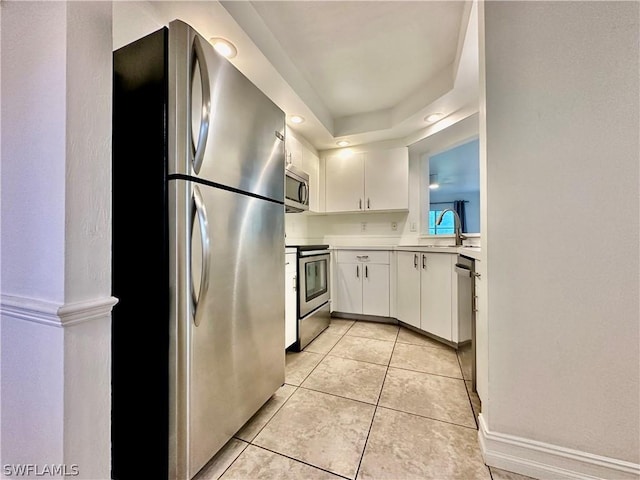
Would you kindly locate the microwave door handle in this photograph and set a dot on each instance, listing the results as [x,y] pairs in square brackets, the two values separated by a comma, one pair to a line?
[200,211]
[303,193]
[197,150]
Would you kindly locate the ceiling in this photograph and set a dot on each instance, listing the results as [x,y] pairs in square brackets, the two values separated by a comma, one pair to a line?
[363,57]
[368,71]
[362,71]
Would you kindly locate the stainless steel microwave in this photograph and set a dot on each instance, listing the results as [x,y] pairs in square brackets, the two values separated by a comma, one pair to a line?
[296,190]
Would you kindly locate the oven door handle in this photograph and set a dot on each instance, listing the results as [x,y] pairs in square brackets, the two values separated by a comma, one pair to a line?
[311,253]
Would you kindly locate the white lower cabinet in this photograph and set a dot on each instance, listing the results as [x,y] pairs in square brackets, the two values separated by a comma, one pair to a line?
[408,291]
[425,292]
[290,300]
[362,282]
[436,294]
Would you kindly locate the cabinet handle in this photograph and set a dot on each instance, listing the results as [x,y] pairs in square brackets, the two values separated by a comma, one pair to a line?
[357,271]
[362,257]
[360,204]
[475,304]
[295,281]
[424,262]
[366,271]
[415,260]
[368,203]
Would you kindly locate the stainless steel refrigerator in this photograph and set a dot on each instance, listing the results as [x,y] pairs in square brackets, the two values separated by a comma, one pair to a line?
[198,253]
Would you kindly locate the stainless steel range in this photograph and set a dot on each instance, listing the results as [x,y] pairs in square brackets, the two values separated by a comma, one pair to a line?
[314,292]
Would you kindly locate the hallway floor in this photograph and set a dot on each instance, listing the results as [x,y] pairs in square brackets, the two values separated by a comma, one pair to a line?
[363,401]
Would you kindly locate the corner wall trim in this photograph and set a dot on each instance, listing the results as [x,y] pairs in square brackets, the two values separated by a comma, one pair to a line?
[54,314]
[548,461]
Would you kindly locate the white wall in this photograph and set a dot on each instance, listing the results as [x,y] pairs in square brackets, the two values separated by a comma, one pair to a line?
[562,234]
[56,237]
[87,347]
[33,145]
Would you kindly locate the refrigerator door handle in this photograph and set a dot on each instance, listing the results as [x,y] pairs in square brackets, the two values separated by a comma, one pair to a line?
[201,212]
[198,57]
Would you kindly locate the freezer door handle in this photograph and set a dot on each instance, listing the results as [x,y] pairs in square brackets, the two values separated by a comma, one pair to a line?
[200,211]
[198,59]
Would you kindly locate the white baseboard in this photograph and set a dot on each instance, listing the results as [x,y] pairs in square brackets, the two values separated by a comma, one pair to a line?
[549,462]
[54,314]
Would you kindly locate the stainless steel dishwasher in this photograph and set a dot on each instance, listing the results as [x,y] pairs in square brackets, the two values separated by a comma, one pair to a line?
[465,270]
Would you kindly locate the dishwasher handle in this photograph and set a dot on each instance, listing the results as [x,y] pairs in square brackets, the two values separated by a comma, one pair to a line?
[463,270]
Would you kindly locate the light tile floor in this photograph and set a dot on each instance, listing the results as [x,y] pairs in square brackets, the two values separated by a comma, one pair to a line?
[363,401]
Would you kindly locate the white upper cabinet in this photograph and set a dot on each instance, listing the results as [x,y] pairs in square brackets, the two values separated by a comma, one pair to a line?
[376,180]
[311,165]
[344,182]
[305,159]
[386,179]
[293,151]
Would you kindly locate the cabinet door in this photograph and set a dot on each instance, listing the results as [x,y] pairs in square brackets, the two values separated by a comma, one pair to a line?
[290,300]
[435,295]
[386,181]
[311,166]
[293,151]
[345,183]
[375,289]
[408,289]
[349,288]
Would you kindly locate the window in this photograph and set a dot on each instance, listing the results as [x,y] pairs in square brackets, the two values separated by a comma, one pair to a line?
[447,227]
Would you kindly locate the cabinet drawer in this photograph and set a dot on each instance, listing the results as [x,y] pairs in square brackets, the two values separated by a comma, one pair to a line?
[363,256]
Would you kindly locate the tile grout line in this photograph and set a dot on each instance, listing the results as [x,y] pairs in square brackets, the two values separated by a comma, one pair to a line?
[234,460]
[427,373]
[472,409]
[429,418]
[375,410]
[475,420]
[300,461]
[338,396]
[324,355]
[296,388]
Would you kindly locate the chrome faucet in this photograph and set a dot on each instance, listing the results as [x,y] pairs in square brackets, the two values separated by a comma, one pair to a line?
[459,236]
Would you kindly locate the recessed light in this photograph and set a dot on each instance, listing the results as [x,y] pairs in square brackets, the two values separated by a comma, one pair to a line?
[224,47]
[297,119]
[342,143]
[433,117]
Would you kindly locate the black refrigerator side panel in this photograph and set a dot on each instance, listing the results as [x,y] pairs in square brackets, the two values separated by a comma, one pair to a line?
[140,261]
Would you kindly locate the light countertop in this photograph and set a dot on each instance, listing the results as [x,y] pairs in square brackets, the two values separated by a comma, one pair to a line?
[467,250]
